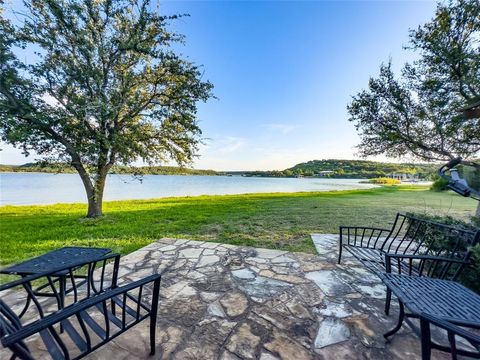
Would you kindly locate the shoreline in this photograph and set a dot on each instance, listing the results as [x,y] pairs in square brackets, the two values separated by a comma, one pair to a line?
[279,194]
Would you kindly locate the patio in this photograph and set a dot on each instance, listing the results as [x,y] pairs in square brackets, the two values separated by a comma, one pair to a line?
[226,302]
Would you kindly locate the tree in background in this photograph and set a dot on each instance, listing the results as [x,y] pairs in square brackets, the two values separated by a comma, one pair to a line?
[419,113]
[104,87]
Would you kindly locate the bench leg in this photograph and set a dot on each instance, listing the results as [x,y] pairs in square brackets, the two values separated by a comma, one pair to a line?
[388,300]
[153,315]
[401,317]
[425,338]
[340,248]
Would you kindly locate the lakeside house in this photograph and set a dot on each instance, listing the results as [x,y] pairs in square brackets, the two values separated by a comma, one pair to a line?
[403,176]
[324,173]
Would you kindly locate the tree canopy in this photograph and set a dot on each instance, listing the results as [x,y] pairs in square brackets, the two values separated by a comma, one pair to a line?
[101,86]
[418,113]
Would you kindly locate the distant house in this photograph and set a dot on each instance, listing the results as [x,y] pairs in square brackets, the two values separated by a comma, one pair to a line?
[403,176]
[324,173]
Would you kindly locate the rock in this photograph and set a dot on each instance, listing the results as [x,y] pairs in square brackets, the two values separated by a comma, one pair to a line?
[330,308]
[376,291]
[234,304]
[329,283]
[267,356]
[197,351]
[298,310]
[283,259]
[191,253]
[168,340]
[292,279]
[215,309]
[243,343]
[286,348]
[245,274]
[209,296]
[206,260]
[167,248]
[268,253]
[331,331]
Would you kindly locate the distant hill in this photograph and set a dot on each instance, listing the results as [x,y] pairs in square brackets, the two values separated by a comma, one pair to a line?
[117,169]
[350,169]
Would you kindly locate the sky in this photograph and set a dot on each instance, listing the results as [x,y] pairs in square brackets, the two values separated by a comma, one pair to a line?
[283,74]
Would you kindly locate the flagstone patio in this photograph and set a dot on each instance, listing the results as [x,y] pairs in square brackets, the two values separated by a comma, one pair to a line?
[226,302]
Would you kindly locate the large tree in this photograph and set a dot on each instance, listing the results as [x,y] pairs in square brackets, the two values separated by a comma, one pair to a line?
[418,113]
[95,83]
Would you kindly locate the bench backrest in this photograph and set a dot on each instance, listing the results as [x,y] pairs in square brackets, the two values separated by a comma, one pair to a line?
[411,235]
[415,236]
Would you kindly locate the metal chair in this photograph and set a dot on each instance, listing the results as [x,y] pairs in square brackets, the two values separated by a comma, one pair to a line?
[90,321]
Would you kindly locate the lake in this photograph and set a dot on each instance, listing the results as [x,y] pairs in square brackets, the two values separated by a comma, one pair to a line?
[40,188]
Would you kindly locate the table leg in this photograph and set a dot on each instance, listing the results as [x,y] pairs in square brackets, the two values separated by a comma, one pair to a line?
[29,298]
[425,338]
[62,284]
[397,327]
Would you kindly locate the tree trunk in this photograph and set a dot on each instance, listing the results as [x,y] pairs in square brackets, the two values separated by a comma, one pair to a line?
[95,198]
[477,213]
[94,191]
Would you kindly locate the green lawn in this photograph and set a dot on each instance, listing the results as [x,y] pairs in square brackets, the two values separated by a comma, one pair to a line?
[281,221]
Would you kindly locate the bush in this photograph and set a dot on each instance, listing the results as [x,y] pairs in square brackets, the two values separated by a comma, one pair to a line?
[384,181]
[439,184]
[470,275]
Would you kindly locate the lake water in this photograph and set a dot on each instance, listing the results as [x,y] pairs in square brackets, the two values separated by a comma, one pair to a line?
[40,188]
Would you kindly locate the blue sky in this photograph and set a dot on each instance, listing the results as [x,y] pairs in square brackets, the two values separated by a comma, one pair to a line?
[284,73]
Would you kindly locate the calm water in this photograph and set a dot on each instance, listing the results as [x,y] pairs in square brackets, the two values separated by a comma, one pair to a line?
[39,188]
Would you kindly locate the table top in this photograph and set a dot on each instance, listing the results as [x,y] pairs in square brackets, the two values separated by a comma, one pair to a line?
[56,259]
[448,300]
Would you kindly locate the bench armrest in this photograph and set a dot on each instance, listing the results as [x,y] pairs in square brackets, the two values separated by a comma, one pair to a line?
[58,317]
[435,263]
[363,236]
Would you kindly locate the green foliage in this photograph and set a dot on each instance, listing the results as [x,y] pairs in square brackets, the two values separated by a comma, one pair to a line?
[470,275]
[384,181]
[105,87]
[351,169]
[116,169]
[418,113]
[440,184]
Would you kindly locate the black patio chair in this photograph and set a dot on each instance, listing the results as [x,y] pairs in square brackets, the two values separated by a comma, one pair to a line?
[88,322]
[453,332]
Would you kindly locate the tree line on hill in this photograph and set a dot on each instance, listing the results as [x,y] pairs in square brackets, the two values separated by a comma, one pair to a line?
[55,168]
[359,169]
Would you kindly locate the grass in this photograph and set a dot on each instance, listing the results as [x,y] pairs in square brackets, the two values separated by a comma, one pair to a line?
[281,221]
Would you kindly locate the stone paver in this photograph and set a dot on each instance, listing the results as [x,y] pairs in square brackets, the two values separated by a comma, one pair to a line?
[227,302]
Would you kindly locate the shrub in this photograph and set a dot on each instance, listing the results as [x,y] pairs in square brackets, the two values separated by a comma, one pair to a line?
[439,184]
[384,181]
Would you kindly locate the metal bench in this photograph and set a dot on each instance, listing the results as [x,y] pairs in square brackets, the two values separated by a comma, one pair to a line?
[412,246]
[98,311]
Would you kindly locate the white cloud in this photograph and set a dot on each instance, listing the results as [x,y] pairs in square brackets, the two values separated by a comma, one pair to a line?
[283,128]
[229,144]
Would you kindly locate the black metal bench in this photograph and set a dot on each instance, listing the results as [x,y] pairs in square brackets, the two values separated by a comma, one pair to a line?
[88,322]
[412,246]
